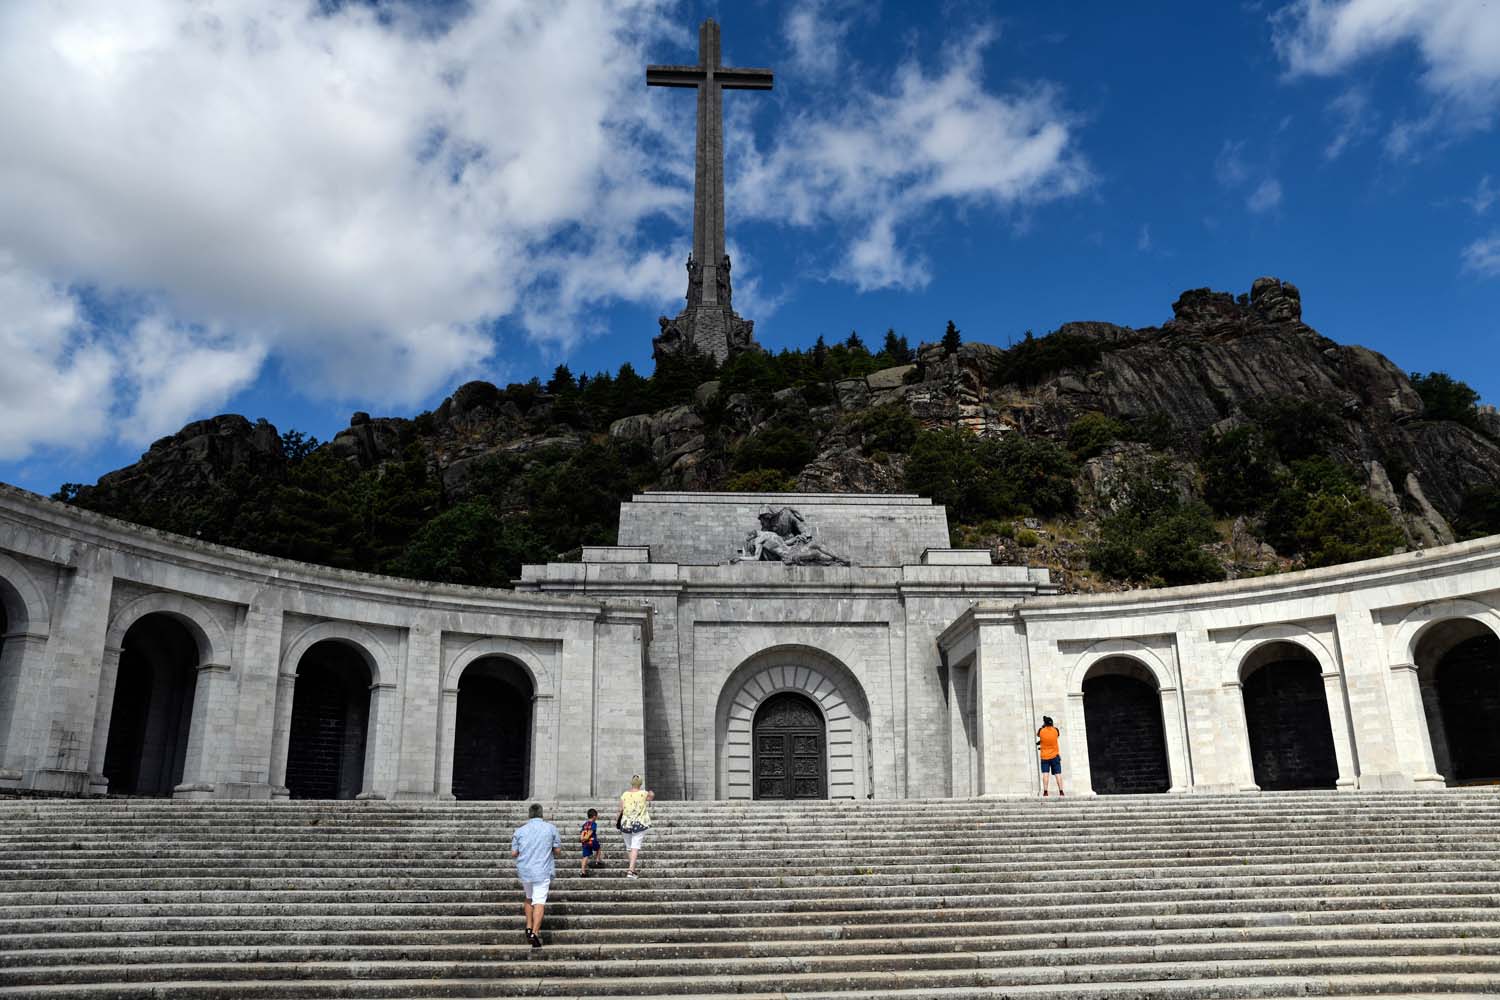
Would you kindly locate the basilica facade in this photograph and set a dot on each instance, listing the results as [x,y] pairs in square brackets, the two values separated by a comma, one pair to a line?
[731,646]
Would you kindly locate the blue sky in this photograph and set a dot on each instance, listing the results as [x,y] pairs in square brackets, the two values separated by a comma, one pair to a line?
[294,211]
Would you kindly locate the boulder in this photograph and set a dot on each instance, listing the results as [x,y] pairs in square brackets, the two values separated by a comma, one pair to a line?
[889,378]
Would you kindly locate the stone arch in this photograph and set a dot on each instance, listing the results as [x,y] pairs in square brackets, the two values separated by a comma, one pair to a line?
[1125,726]
[542,729]
[1151,667]
[1289,710]
[1296,635]
[364,642]
[213,641]
[24,604]
[511,649]
[1419,620]
[1457,661]
[153,687]
[24,616]
[345,764]
[828,684]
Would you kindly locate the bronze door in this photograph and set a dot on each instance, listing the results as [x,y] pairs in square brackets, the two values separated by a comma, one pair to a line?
[791,760]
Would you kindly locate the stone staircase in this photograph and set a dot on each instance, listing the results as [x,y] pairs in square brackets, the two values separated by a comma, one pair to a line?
[1271,895]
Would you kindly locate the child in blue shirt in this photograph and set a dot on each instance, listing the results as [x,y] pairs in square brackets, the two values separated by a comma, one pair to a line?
[588,840]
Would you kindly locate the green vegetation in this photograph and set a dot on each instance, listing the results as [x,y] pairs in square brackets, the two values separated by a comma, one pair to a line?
[1320,512]
[978,479]
[1479,513]
[1092,433]
[1036,358]
[1239,470]
[886,428]
[1155,535]
[782,448]
[1446,398]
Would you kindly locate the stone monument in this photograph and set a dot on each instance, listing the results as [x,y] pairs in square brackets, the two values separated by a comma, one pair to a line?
[708,323]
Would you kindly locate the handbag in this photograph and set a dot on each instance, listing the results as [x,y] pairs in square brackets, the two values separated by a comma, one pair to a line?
[618,817]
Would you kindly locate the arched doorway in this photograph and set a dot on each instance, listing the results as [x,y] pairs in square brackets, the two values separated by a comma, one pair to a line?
[1126,739]
[330,723]
[492,731]
[1286,718]
[791,751]
[1458,666]
[153,707]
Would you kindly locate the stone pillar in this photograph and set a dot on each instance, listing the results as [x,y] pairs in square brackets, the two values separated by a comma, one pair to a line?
[619,700]
[544,746]
[572,762]
[22,655]
[1006,744]
[1379,726]
[1213,717]
[246,769]
[70,691]
[421,716]
[1437,729]
[1409,720]
[210,733]
[1232,701]
[1076,770]
[964,782]
[1338,722]
[382,743]
[447,733]
[281,732]
[1175,733]
[109,673]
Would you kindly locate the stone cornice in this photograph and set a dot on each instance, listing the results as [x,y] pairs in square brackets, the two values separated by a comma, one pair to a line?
[65,529]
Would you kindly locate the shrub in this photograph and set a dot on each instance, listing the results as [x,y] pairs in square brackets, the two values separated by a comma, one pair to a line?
[472,543]
[887,428]
[1320,512]
[782,448]
[1238,471]
[978,479]
[1154,536]
[1446,398]
[1092,433]
[1027,539]
[1296,428]
[761,481]
[1033,359]
[1479,513]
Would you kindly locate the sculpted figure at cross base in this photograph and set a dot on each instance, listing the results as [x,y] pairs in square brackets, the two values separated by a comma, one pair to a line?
[784,537]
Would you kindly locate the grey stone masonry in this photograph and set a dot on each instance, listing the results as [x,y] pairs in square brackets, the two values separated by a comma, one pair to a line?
[709,324]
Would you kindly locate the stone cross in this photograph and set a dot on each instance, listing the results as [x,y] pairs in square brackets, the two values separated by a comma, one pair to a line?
[711,78]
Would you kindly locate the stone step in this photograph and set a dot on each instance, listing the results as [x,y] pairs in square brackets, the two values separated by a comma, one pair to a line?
[1271,910]
[504,944]
[937,873]
[328,981]
[96,875]
[149,939]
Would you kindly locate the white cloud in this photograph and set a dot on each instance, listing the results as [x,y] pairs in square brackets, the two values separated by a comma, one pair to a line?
[173,373]
[364,197]
[1484,197]
[1143,242]
[55,379]
[1229,166]
[815,31]
[1457,41]
[1266,197]
[881,162]
[1351,112]
[1482,257]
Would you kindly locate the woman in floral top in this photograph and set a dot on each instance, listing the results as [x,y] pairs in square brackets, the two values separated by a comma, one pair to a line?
[635,819]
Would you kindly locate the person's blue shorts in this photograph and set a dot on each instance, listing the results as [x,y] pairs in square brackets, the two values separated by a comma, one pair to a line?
[1053,766]
[589,850]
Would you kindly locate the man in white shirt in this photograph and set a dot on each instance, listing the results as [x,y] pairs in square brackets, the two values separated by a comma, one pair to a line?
[535,846]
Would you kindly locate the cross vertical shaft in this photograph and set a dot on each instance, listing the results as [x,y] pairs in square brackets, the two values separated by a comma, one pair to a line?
[711,78]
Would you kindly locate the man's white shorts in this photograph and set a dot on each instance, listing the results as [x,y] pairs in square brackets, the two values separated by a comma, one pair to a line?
[536,892]
[633,840]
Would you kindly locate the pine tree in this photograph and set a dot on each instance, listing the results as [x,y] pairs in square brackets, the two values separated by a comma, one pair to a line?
[561,381]
[854,343]
[820,353]
[951,339]
[896,348]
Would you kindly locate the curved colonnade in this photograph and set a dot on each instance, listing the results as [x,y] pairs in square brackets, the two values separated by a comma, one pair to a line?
[137,662]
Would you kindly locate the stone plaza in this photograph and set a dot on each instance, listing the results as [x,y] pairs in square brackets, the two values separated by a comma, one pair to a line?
[858,657]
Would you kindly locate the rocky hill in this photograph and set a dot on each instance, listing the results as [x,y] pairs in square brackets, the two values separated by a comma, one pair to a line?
[1232,439]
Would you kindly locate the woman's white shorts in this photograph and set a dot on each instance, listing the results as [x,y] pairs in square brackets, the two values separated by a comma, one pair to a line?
[633,840]
[536,892]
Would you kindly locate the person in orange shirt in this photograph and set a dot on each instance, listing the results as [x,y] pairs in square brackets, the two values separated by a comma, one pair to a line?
[1046,742]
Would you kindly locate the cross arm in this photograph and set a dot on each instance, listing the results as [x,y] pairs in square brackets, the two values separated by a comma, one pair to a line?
[743,79]
[674,76]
